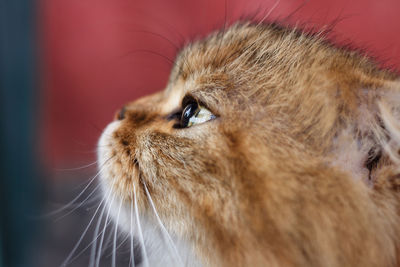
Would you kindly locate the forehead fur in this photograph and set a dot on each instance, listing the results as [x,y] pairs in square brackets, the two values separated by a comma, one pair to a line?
[255,57]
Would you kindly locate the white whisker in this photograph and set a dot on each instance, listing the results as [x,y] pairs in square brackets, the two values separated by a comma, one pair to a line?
[88,246]
[114,250]
[79,205]
[95,236]
[108,241]
[78,168]
[164,230]
[122,241]
[69,204]
[141,239]
[66,261]
[103,233]
[132,254]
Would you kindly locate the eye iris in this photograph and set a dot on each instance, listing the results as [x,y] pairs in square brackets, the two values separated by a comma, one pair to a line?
[188,112]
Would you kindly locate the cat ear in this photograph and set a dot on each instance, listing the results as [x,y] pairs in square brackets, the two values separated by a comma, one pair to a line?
[389,115]
[370,141]
[384,126]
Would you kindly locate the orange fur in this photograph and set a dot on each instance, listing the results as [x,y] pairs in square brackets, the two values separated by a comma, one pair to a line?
[282,176]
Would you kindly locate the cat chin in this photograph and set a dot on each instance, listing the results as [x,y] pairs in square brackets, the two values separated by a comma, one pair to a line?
[158,248]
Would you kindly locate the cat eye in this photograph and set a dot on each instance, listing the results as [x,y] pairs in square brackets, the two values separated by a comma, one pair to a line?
[193,114]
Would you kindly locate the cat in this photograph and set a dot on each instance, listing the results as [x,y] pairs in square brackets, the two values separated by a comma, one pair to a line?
[268,147]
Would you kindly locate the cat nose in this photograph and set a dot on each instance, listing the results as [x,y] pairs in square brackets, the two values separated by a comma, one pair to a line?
[121,114]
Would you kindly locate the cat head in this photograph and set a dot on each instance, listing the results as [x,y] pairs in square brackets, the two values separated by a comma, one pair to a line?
[257,124]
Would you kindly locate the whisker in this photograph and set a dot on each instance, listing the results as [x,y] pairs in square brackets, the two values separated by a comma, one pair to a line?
[88,246]
[186,62]
[103,233]
[296,10]
[93,199]
[164,230]
[80,194]
[141,239]
[166,25]
[77,168]
[100,130]
[172,62]
[79,205]
[158,35]
[96,231]
[269,12]
[150,52]
[108,240]
[123,241]
[114,250]
[67,260]
[132,253]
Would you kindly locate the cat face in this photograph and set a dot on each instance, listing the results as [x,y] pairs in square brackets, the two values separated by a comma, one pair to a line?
[257,152]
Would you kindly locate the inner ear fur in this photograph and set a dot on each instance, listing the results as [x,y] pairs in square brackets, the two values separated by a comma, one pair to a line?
[378,129]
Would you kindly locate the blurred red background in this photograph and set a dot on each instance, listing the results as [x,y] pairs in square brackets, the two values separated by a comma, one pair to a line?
[99,54]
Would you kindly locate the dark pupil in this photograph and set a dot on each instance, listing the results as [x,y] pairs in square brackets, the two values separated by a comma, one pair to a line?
[187,113]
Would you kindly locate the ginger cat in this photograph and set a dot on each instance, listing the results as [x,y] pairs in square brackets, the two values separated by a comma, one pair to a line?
[268,147]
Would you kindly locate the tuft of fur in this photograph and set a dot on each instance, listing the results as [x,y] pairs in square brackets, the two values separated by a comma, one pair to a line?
[300,167]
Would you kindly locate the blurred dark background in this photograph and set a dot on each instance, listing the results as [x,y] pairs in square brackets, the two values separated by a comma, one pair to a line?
[67,65]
